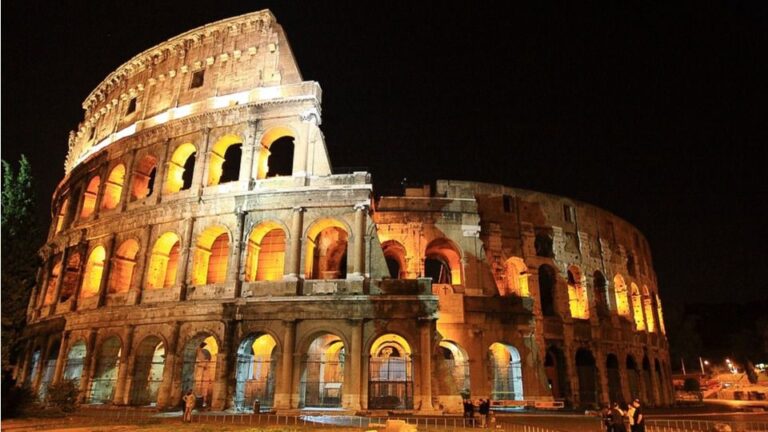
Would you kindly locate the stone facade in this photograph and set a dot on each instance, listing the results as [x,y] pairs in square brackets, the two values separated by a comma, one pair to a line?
[200,241]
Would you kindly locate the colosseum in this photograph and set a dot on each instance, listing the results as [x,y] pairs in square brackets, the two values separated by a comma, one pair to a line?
[201,240]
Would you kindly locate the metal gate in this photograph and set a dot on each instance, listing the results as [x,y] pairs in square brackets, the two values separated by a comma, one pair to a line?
[147,377]
[199,376]
[391,383]
[322,381]
[255,380]
[507,381]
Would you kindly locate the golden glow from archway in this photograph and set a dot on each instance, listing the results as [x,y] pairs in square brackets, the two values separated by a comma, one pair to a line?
[324,238]
[577,294]
[53,278]
[94,268]
[61,215]
[164,261]
[175,178]
[516,278]
[390,339]
[142,175]
[113,188]
[263,347]
[660,315]
[123,264]
[267,139]
[211,254]
[265,257]
[650,324]
[622,297]
[445,250]
[637,307]
[216,160]
[89,197]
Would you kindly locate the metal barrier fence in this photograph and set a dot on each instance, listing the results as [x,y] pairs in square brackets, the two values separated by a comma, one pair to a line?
[683,425]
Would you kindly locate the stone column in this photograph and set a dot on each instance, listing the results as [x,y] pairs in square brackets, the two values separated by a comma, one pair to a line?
[41,363]
[219,397]
[204,154]
[358,253]
[248,151]
[626,392]
[103,288]
[293,263]
[187,255]
[123,384]
[425,351]
[355,382]
[234,272]
[602,377]
[88,366]
[140,270]
[655,394]
[284,383]
[165,398]
[62,357]
[25,365]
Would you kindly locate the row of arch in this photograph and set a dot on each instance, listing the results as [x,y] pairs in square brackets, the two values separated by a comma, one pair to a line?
[222,165]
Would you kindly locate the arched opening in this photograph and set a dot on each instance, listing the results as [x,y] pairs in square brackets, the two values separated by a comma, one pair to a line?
[390,372]
[276,153]
[94,268]
[601,295]
[71,276]
[33,368]
[516,278]
[660,315]
[622,296]
[123,264]
[578,301]
[102,388]
[53,279]
[614,378]
[48,369]
[89,197]
[113,188]
[198,369]
[587,372]
[265,257]
[61,216]
[637,307]
[255,374]
[647,386]
[633,377]
[224,165]
[650,323]
[453,370]
[554,367]
[394,254]
[211,256]
[143,182]
[544,245]
[327,250]
[164,261]
[631,267]
[148,368]
[506,372]
[73,369]
[442,262]
[181,168]
[322,373]
[547,283]
[663,389]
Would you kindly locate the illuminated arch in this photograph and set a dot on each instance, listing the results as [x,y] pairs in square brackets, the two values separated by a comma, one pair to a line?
[637,307]
[394,254]
[442,261]
[123,265]
[650,323]
[180,168]
[143,182]
[211,256]
[578,300]
[506,372]
[224,160]
[265,255]
[113,188]
[282,138]
[390,373]
[622,296]
[453,369]
[94,268]
[71,276]
[164,261]
[89,197]
[102,388]
[326,250]
[516,278]
[53,278]
[255,371]
[149,365]
[199,361]
[61,215]
[322,372]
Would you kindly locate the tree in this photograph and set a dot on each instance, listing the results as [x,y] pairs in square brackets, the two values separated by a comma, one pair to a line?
[20,237]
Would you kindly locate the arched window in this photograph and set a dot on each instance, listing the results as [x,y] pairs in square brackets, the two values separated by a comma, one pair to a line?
[326,250]
[442,262]
[516,278]
[322,373]
[255,373]
[394,254]
[71,276]
[547,284]
[578,300]
[143,182]
[149,364]
[89,197]
[650,323]
[113,188]
[61,215]
[198,370]
[123,264]
[506,372]
[601,295]
[164,261]
[637,307]
[390,374]
[94,268]
[211,256]
[622,296]
[276,153]
[265,258]
[224,165]
[102,389]
[53,279]
[181,168]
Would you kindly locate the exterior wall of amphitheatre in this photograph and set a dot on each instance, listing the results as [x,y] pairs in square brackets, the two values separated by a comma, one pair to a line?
[184,254]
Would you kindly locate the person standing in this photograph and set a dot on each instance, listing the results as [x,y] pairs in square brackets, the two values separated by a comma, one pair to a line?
[189,404]
[484,408]
[636,419]
[616,419]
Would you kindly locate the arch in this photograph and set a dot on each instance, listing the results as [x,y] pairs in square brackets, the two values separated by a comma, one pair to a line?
[71,276]
[648,309]
[442,261]
[578,301]
[48,368]
[53,279]
[390,373]
[663,389]
[633,377]
[586,369]
[123,265]
[255,371]
[631,267]
[637,307]
[622,296]
[181,168]
[516,277]
[33,367]
[544,245]
[276,153]
[89,197]
[647,388]
[224,160]
[453,369]
[94,269]
[614,378]
[660,315]
[265,254]
[555,369]
[394,254]
[113,188]
[506,372]
[164,261]
[198,370]
[73,369]
[547,283]
[211,256]
[149,365]
[143,181]
[326,250]
[322,372]
[601,295]
[61,215]
[102,388]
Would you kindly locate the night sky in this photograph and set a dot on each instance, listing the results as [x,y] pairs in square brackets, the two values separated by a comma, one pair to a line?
[655,112]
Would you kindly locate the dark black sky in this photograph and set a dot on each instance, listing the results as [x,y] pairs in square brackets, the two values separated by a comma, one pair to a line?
[656,112]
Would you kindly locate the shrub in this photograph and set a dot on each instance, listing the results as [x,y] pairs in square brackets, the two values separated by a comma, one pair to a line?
[63,395]
[18,401]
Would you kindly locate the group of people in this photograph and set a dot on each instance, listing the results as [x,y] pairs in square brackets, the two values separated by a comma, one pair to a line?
[481,406]
[615,418]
